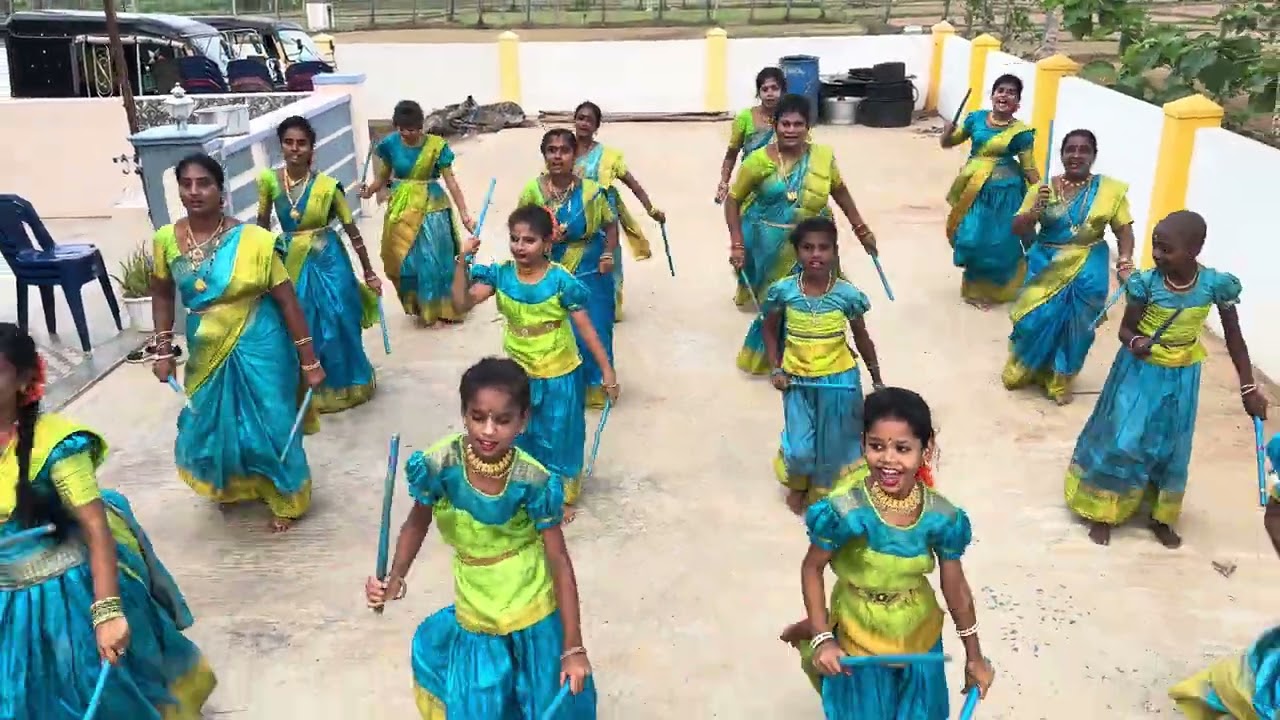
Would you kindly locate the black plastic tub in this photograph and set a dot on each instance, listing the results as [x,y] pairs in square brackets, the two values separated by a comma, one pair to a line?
[877,113]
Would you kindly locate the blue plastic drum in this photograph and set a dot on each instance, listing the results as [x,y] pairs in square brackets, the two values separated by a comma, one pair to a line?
[801,72]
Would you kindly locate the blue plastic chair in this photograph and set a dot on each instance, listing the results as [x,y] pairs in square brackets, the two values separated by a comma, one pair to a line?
[46,264]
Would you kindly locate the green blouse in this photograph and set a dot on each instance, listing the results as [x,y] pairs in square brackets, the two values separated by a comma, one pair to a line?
[501,579]
[537,334]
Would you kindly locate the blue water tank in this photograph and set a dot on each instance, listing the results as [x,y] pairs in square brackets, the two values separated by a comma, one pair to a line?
[801,72]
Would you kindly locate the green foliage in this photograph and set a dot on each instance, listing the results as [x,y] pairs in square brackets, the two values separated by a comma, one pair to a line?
[135,273]
[1238,66]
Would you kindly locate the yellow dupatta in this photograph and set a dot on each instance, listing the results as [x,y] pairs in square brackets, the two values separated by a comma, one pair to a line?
[609,169]
[1109,207]
[51,429]
[975,173]
[410,203]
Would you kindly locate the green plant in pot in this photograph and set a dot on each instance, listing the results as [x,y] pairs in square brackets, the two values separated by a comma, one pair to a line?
[134,279]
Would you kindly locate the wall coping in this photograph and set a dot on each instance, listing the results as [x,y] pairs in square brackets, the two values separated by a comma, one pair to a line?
[265,125]
[338,79]
[172,135]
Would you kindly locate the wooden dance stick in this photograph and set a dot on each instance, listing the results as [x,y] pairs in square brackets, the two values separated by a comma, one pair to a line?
[388,494]
[955,119]
[883,279]
[971,699]
[666,245]
[913,659]
[595,445]
[484,212]
[30,534]
[382,322]
[816,386]
[561,696]
[96,700]
[297,423]
[173,383]
[1261,450]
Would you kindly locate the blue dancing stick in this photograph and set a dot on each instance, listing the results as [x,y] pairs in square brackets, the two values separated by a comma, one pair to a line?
[595,445]
[98,689]
[368,158]
[173,383]
[1261,449]
[484,211]
[971,699]
[816,386]
[883,279]
[754,300]
[667,247]
[1048,157]
[1111,301]
[561,696]
[297,423]
[382,322]
[23,535]
[388,493]
[913,659]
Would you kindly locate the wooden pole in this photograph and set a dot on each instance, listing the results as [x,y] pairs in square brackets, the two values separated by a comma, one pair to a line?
[119,66]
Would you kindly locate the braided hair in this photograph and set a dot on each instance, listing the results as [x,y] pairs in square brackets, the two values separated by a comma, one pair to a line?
[33,509]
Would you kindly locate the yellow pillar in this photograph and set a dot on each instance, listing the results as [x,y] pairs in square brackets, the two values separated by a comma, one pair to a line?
[509,67]
[1182,119]
[982,46]
[717,80]
[940,33]
[1049,73]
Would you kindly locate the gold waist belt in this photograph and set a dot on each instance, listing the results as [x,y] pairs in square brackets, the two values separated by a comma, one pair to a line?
[535,330]
[41,565]
[486,561]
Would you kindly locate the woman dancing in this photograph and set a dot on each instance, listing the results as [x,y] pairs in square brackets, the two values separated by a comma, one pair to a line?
[337,307]
[882,532]
[821,437]
[248,336]
[536,297]
[1136,445]
[986,195]
[1242,687]
[586,243]
[512,637]
[419,237]
[778,186]
[605,165]
[752,129]
[1067,279]
[92,590]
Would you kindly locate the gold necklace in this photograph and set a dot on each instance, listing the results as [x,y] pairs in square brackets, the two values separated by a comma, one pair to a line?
[496,469]
[557,196]
[1182,288]
[196,254]
[289,185]
[808,301]
[906,506]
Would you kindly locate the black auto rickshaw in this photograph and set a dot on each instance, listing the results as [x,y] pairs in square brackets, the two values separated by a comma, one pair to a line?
[290,55]
[65,53]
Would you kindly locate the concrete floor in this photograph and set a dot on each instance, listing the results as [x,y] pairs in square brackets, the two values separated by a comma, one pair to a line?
[687,559]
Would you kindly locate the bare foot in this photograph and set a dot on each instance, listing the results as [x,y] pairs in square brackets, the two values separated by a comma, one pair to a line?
[1065,398]
[796,632]
[280,524]
[980,304]
[1100,533]
[1166,535]
[796,501]
[570,512]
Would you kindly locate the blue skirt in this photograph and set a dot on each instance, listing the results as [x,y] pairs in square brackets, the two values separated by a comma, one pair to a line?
[986,246]
[914,692]
[426,274]
[50,653]
[230,442]
[823,431]
[1136,446]
[1055,337]
[557,430]
[331,300]
[495,677]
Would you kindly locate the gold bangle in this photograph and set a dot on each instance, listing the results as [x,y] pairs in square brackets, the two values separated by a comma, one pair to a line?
[313,366]
[105,610]
[303,341]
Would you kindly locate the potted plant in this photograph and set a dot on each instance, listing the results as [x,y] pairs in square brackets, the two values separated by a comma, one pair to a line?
[135,285]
